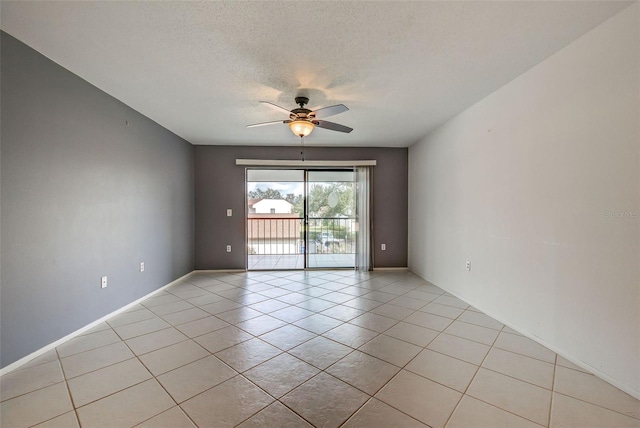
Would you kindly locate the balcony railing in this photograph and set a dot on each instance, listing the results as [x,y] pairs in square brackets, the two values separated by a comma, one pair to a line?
[285,235]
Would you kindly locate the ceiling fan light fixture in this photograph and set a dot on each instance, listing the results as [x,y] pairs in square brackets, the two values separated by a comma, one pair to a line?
[303,121]
[301,128]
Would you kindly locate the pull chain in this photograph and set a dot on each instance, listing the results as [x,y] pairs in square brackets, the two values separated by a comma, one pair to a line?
[302,151]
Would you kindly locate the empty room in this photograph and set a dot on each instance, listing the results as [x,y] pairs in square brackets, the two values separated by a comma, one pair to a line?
[320,214]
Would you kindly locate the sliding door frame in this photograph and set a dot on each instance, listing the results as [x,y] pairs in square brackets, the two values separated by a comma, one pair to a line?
[308,166]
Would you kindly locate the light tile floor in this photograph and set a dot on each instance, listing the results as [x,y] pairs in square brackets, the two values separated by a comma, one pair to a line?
[296,261]
[299,349]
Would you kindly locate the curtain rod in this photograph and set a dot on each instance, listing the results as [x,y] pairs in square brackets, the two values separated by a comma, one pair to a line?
[311,163]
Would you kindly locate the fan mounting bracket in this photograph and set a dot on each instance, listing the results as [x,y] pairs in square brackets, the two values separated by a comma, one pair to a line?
[301,101]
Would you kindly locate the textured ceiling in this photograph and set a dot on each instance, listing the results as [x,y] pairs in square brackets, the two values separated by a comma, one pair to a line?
[200,68]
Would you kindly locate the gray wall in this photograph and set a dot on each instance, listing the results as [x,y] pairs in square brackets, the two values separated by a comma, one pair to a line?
[84,194]
[219,184]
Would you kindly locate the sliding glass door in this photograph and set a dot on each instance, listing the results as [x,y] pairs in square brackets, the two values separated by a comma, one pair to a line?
[330,216]
[299,219]
[275,219]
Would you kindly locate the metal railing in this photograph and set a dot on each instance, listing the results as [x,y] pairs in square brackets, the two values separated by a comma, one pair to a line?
[285,235]
[274,235]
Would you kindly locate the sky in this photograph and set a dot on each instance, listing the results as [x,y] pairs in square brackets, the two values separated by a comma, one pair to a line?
[284,188]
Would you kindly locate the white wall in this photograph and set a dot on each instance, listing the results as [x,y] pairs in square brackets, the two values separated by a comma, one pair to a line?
[523,184]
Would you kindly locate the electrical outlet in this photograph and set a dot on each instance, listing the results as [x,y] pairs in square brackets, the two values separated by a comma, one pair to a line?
[229,212]
[228,248]
[141,266]
[468,265]
[103,282]
[383,247]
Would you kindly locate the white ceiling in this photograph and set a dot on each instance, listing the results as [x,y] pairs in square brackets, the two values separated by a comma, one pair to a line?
[200,68]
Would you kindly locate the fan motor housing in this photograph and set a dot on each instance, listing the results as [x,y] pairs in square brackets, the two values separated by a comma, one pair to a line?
[301,112]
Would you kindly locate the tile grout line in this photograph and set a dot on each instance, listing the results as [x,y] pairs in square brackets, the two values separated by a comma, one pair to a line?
[64,375]
[371,398]
[244,377]
[490,404]
[397,373]
[167,392]
[476,372]
[137,357]
[324,370]
[281,353]
[315,335]
[464,393]
[502,330]
[73,404]
[553,390]
[594,404]
[152,377]
[518,379]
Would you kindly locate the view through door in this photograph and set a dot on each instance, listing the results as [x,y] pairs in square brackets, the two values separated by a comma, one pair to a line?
[299,219]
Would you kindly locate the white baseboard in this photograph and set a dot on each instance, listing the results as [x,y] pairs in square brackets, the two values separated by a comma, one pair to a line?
[24,360]
[594,371]
[632,392]
[390,268]
[220,271]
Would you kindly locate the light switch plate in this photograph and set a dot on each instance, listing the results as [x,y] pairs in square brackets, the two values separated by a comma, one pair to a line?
[229,212]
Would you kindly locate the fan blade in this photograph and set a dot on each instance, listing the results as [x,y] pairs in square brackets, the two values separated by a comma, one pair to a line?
[332,126]
[276,107]
[330,111]
[268,123]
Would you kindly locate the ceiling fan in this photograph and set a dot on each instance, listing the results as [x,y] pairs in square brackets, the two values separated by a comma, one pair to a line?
[302,120]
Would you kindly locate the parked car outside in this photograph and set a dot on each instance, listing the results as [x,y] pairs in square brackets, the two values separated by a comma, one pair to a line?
[326,238]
